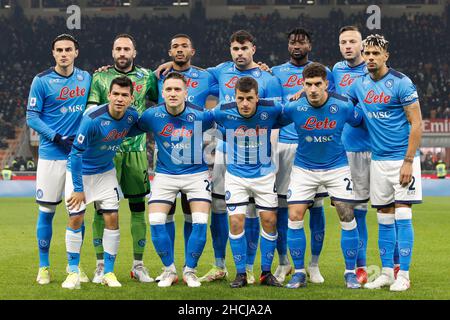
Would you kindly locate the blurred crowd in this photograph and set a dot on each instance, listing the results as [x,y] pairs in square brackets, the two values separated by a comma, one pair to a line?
[418,47]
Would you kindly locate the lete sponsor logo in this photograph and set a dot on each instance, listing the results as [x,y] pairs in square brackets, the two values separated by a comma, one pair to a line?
[67,93]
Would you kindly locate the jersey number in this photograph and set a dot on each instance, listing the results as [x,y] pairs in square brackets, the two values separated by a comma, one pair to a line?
[117,193]
[208,185]
[411,187]
[349,184]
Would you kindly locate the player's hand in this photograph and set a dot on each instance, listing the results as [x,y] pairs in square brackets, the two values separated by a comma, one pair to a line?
[164,68]
[65,142]
[103,68]
[296,96]
[406,174]
[264,67]
[75,200]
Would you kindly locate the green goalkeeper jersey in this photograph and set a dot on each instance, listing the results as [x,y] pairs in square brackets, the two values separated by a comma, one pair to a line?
[145,85]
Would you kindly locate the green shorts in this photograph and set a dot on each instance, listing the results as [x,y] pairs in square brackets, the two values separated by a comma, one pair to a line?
[132,173]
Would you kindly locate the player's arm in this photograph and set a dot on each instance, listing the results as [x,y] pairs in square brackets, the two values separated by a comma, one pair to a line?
[76,163]
[152,88]
[354,116]
[94,92]
[330,78]
[284,118]
[414,116]
[274,89]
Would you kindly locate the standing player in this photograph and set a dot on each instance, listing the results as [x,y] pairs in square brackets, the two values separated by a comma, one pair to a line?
[391,109]
[320,160]
[200,84]
[356,140]
[242,49]
[92,177]
[131,160]
[250,173]
[178,130]
[55,107]
[289,75]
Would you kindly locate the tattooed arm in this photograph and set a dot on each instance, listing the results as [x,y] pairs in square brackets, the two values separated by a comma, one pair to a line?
[414,116]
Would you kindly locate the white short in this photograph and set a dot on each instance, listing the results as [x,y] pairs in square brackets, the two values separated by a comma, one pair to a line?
[385,189]
[196,187]
[239,190]
[359,163]
[305,184]
[102,189]
[218,182]
[284,155]
[50,181]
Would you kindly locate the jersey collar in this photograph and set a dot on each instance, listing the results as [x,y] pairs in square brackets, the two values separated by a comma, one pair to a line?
[67,77]
[125,73]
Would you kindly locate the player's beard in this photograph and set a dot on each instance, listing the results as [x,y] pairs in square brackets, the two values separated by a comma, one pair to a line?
[123,63]
[299,57]
[181,63]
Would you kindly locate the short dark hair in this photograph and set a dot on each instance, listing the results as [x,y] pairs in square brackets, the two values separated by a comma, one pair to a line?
[65,36]
[242,36]
[246,84]
[122,81]
[175,75]
[298,32]
[125,35]
[376,40]
[315,69]
[348,28]
[181,35]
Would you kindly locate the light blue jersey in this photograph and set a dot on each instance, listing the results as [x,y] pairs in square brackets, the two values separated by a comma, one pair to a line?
[248,138]
[179,138]
[97,141]
[200,85]
[55,105]
[355,139]
[382,103]
[291,81]
[319,131]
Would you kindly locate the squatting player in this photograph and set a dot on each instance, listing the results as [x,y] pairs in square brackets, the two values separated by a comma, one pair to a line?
[91,176]
[55,107]
[178,128]
[289,75]
[250,172]
[391,109]
[131,159]
[320,160]
[200,84]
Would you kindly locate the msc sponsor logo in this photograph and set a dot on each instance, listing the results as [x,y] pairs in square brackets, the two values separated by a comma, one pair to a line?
[379,114]
[319,139]
[72,109]
[382,251]
[319,236]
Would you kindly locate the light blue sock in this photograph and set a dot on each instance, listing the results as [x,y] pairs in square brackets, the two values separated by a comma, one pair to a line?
[196,244]
[317,227]
[405,230]
[170,227]
[219,235]
[109,259]
[268,245]
[297,243]
[238,244]
[252,234]
[360,216]
[349,243]
[386,239]
[282,228]
[44,233]
[162,243]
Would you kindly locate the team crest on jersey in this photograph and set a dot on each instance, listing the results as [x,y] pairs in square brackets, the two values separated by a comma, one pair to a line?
[389,83]
[194,75]
[80,77]
[334,108]
[231,208]
[39,194]
[256,73]
[130,119]
[227,195]
[289,194]
[80,138]
[190,117]
[139,75]
[264,116]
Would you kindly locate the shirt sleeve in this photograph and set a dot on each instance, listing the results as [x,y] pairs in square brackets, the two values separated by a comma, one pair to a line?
[152,87]
[354,115]
[215,71]
[144,124]
[274,90]
[94,93]
[284,118]
[351,93]
[208,119]
[330,78]
[84,135]
[407,92]
[213,85]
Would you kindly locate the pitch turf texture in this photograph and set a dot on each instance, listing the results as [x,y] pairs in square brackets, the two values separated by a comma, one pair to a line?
[19,260]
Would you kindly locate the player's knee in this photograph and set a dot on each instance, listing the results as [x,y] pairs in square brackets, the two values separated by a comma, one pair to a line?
[200,217]
[111,220]
[386,210]
[156,218]
[269,222]
[76,221]
[361,206]
[47,208]
[237,224]
[137,207]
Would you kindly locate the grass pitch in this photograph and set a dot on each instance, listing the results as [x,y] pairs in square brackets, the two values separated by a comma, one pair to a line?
[19,260]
